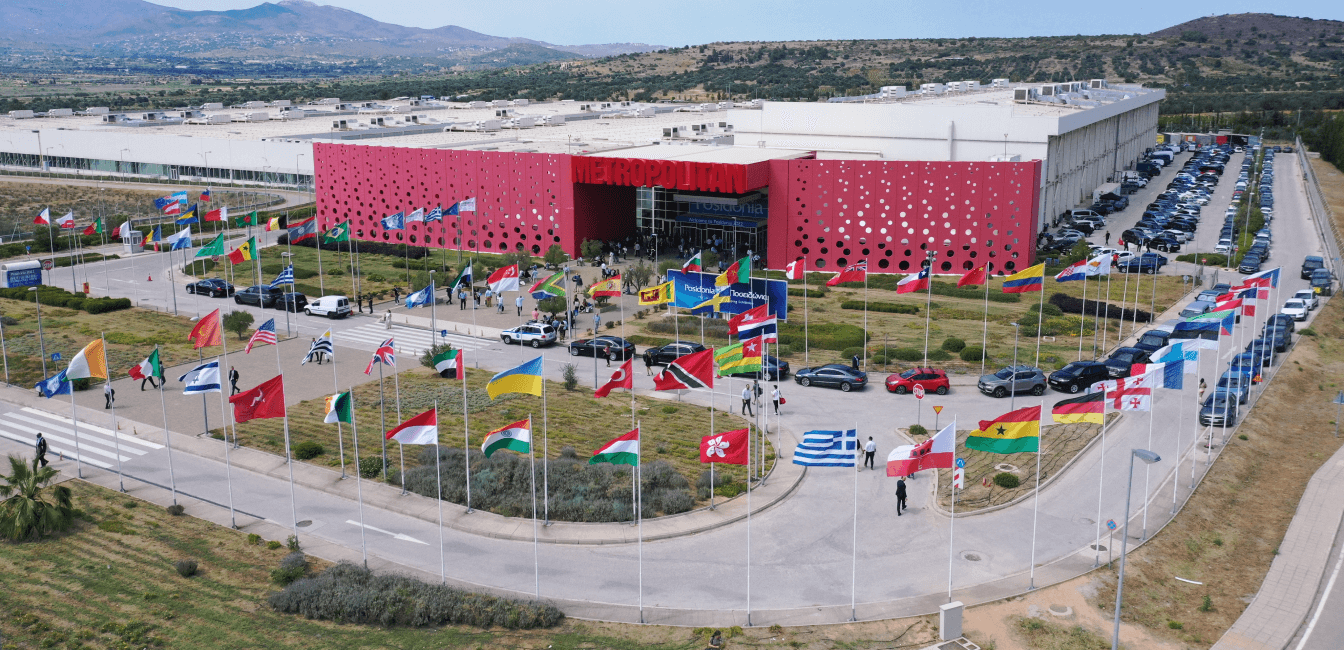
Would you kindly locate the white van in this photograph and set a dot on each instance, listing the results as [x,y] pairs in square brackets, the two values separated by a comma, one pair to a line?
[329,306]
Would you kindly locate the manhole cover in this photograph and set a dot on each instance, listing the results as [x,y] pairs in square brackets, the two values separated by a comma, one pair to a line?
[1061,610]
[970,556]
[1095,547]
[1085,520]
[305,523]
[1005,467]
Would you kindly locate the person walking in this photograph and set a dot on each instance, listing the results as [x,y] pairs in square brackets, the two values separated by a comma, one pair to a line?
[370,304]
[519,304]
[869,452]
[606,353]
[109,395]
[648,364]
[41,457]
[150,379]
[359,302]
[536,314]
[499,303]
[1202,387]
[476,299]
[854,362]
[233,380]
[776,397]
[756,391]
[461,299]
[746,402]
[900,496]
[396,294]
[1108,238]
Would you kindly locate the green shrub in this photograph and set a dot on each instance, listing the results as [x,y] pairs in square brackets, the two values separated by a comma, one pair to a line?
[1210,259]
[75,303]
[185,568]
[884,307]
[824,336]
[906,354]
[570,373]
[973,293]
[850,353]
[1007,480]
[939,355]
[273,544]
[427,359]
[971,353]
[176,509]
[1175,625]
[292,542]
[918,430]
[1049,309]
[307,450]
[291,568]
[371,466]
[810,292]
[953,344]
[253,539]
[1309,332]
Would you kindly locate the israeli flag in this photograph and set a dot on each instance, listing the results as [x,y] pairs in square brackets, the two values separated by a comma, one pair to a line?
[286,276]
[55,385]
[827,449]
[202,379]
[421,297]
[395,222]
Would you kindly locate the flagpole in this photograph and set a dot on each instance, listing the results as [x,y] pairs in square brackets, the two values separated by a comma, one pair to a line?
[1101,478]
[1036,508]
[340,437]
[1180,412]
[382,417]
[806,345]
[1152,407]
[952,521]
[748,527]
[289,459]
[1134,329]
[359,483]
[396,383]
[1082,319]
[74,427]
[167,441]
[438,480]
[321,281]
[546,446]
[711,432]
[1199,355]
[928,303]
[639,454]
[865,315]
[1040,318]
[121,485]
[224,415]
[854,552]
[1124,293]
[536,557]
[984,334]
[466,423]
[1102,326]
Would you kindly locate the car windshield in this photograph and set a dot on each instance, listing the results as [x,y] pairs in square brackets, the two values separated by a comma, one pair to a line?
[1219,400]
[1151,339]
[908,374]
[1295,304]
[1233,382]
[1006,373]
[1126,358]
[1073,368]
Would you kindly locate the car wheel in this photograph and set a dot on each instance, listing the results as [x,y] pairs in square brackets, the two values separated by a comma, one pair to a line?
[331,315]
[191,289]
[573,352]
[900,390]
[536,343]
[1000,392]
[942,390]
[1073,388]
[1038,390]
[845,387]
[804,382]
[308,312]
[237,300]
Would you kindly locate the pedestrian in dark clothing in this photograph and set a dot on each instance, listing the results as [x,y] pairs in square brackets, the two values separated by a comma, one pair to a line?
[756,390]
[233,380]
[869,452]
[746,402]
[150,379]
[109,395]
[359,303]
[396,296]
[1108,238]
[370,304]
[900,496]
[41,451]
[648,364]
[855,362]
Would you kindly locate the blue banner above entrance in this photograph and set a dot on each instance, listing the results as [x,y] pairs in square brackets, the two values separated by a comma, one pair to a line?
[695,288]
[748,210]
[716,221]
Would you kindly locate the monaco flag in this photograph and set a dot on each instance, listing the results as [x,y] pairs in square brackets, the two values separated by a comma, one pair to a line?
[795,269]
[622,378]
[729,447]
[937,452]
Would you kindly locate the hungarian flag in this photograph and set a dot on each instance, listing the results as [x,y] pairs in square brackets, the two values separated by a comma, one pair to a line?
[693,264]
[621,451]
[514,437]
[1084,408]
[610,288]
[340,408]
[795,269]
[622,378]
[150,367]
[729,447]
[207,331]
[739,271]
[267,400]
[505,279]
[658,294]
[974,277]
[246,251]
[1010,433]
[937,452]
[422,429]
[914,282]
[691,371]
[95,228]
[757,313]
[447,363]
[852,273]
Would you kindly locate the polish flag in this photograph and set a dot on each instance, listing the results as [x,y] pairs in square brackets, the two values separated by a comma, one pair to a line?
[940,451]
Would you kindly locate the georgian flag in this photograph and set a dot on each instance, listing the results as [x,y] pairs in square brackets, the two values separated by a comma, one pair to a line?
[1129,393]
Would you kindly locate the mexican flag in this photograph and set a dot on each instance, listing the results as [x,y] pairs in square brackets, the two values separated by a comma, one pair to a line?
[514,437]
[621,451]
[150,367]
[340,408]
[422,429]
[447,363]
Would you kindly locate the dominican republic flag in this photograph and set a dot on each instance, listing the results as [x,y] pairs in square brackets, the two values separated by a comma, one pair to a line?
[422,429]
[434,215]
[505,279]
[1165,375]
[395,221]
[1073,272]
[386,354]
[621,451]
[729,448]
[693,264]
[286,276]
[1129,393]
[937,452]
[202,379]
[1268,278]
[622,378]
[691,371]
[43,218]
[205,195]
[264,334]
[974,277]
[914,282]
[852,273]
[421,298]
[418,216]
[827,449]
[267,400]
[68,221]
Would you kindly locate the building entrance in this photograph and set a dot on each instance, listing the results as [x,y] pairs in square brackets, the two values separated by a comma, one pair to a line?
[680,223]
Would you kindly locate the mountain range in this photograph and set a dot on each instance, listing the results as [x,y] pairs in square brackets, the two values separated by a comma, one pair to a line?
[289,28]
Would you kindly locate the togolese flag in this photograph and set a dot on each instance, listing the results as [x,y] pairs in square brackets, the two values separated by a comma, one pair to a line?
[740,358]
[1085,408]
[1010,433]
[514,437]
[621,451]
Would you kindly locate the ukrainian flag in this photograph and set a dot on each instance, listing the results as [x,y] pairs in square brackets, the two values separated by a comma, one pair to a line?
[523,379]
[1026,281]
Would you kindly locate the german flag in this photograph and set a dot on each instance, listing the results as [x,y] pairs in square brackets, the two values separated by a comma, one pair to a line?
[1086,408]
[1010,433]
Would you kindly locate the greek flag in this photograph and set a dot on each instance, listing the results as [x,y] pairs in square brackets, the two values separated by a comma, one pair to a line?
[827,449]
[202,379]
[421,297]
[434,215]
[286,276]
[321,346]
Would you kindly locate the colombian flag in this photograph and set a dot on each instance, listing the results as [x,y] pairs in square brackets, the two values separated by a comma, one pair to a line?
[1010,433]
[1026,281]
[523,379]
[1087,408]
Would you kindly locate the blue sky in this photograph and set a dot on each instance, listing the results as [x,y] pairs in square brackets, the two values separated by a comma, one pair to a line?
[691,22]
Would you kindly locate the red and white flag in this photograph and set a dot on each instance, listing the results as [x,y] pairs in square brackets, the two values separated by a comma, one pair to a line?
[795,269]
[691,371]
[422,429]
[1129,393]
[622,378]
[267,400]
[852,273]
[43,218]
[975,276]
[940,451]
[729,447]
[68,221]
[757,313]
[505,279]
[915,282]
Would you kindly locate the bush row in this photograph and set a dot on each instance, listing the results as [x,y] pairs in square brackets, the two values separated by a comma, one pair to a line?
[826,336]
[56,297]
[886,307]
[1070,305]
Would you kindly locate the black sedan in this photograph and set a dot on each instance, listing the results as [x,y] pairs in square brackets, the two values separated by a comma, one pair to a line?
[834,375]
[261,295]
[213,287]
[772,369]
[1120,361]
[620,349]
[294,302]
[670,352]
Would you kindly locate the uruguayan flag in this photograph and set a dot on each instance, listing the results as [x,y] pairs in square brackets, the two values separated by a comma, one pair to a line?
[320,347]
[202,379]
[286,276]
[827,449]
[421,297]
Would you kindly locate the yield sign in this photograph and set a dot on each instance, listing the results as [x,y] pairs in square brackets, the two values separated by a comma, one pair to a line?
[937,409]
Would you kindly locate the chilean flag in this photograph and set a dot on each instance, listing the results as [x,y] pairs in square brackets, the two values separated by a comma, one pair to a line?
[937,452]
[913,283]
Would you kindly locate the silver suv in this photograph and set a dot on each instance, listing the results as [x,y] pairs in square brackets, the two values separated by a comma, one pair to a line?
[1014,379]
[533,333]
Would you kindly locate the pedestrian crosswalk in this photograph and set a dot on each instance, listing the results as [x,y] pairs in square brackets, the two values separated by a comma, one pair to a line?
[409,341]
[96,445]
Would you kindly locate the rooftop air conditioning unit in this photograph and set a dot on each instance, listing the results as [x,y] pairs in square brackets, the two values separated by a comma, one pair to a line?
[1099,84]
[970,85]
[1025,94]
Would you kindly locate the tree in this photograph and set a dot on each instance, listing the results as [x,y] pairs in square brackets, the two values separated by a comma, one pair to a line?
[639,275]
[553,305]
[238,322]
[26,513]
[523,260]
[555,256]
[591,249]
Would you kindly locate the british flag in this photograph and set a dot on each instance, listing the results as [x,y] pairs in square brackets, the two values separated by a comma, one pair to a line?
[264,334]
[385,354]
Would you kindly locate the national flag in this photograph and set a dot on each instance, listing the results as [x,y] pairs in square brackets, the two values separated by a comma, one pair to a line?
[173,209]
[320,346]
[434,215]
[525,378]
[696,263]
[418,216]
[467,205]
[1090,407]
[1267,278]
[88,363]
[422,429]
[1196,329]
[756,314]
[1010,433]
[974,277]
[306,229]
[740,358]
[1073,272]
[212,249]
[208,331]
[156,235]
[422,297]
[202,379]
[1164,375]
[658,294]
[68,221]
[264,334]
[286,276]
[394,221]
[1226,305]
[124,232]
[339,408]
[857,272]
[150,367]
[447,363]
[1025,281]
[715,301]
[1186,352]
[505,279]
[249,219]
[95,228]
[914,282]
[54,385]
[738,272]
[1226,320]
[180,239]
[386,354]
[549,287]
[827,449]
[938,452]
[338,233]
[171,199]
[205,195]
[688,372]
[463,279]
[729,447]
[621,451]
[267,400]
[795,269]
[1099,265]
[216,215]
[1133,393]
[622,378]
[1249,297]
[187,217]
[759,324]
[245,252]
[276,223]
[43,218]
[514,437]
[610,288]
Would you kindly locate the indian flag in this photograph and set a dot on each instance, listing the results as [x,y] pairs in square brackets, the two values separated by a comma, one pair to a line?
[340,408]
[621,451]
[88,363]
[422,429]
[448,363]
[514,437]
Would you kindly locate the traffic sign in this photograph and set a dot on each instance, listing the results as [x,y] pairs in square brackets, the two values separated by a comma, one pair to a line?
[1110,524]
[961,462]
[959,478]
[47,264]
[919,391]
[55,356]
[937,409]
[443,333]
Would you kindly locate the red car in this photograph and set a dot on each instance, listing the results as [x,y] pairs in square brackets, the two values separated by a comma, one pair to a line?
[932,379]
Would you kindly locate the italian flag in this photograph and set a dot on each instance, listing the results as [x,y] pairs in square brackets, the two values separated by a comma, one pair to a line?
[621,451]
[150,367]
[514,437]
[340,408]
[422,429]
[447,363]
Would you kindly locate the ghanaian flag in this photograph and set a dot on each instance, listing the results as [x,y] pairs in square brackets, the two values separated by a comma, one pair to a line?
[245,252]
[657,295]
[1010,433]
[1087,408]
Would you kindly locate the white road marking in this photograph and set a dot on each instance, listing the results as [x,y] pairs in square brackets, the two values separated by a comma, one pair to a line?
[404,538]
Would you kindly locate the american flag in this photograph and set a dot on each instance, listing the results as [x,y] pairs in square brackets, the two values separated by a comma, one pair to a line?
[385,354]
[264,334]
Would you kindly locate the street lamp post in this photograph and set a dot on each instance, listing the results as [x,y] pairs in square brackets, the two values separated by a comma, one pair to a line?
[1149,458]
[1012,387]
[41,340]
[931,256]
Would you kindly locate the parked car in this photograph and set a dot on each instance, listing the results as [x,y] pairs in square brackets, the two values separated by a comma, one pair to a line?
[534,334]
[1234,383]
[834,375]
[1322,283]
[261,295]
[1249,264]
[932,379]
[293,301]
[213,287]
[1218,410]
[1013,379]
[621,349]
[1307,296]
[772,369]
[1153,340]
[1138,265]
[330,306]
[1311,263]
[1119,362]
[1295,308]
[1078,376]
[666,354]
[1282,319]
[1197,308]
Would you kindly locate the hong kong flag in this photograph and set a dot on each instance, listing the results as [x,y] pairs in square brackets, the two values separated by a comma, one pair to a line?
[729,447]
